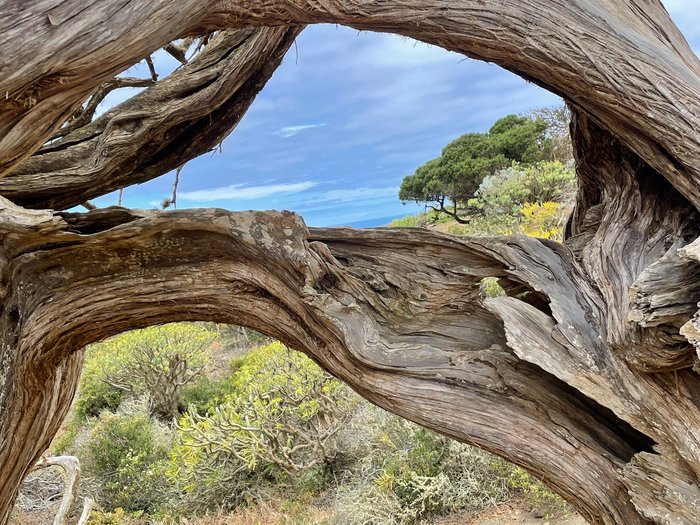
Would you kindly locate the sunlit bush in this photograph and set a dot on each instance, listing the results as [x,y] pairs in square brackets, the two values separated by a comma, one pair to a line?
[506,192]
[409,473]
[157,362]
[282,419]
[125,457]
[543,220]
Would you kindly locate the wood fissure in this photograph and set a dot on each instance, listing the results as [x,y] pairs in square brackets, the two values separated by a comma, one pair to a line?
[411,351]
[585,373]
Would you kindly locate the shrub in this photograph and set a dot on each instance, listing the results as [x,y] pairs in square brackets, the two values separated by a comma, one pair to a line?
[282,418]
[543,220]
[205,394]
[420,220]
[543,500]
[117,517]
[94,394]
[125,457]
[506,192]
[157,362]
[409,473]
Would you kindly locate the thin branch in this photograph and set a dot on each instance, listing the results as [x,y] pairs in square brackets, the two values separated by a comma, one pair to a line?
[88,503]
[152,68]
[71,466]
[175,184]
[85,114]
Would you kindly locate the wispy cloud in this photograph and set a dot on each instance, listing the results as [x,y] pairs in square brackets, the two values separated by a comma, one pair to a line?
[290,131]
[356,194]
[241,192]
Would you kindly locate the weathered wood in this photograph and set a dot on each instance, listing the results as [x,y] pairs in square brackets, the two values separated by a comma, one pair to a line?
[625,63]
[582,374]
[395,314]
[71,468]
[627,228]
[674,498]
[185,115]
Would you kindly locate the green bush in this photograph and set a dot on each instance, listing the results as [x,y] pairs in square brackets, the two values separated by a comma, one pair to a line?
[156,362]
[409,474]
[278,423]
[116,517]
[537,494]
[506,192]
[125,455]
[94,394]
[205,394]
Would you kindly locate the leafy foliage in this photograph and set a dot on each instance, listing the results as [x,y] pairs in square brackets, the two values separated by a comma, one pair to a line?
[407,474]
[205,394]
[94,393]
[125,456]
[455,176]
[281,419]
[507,191]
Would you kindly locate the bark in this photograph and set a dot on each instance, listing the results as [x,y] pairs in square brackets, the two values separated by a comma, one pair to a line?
[583,373]
[395,314]
[625,63]
[185,115]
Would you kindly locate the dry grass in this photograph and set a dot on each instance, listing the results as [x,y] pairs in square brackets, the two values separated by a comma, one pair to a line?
[42,517]
[270,513]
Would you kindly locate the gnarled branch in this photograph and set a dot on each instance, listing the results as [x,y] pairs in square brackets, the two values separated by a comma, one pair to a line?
[624,63]
[185,115]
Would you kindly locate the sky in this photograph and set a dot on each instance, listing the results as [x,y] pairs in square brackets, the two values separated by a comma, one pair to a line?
[344,119]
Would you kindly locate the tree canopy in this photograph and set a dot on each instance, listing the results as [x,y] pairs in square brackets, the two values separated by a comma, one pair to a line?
[464,163]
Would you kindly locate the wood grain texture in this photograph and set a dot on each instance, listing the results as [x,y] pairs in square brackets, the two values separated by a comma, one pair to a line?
[395,314]
[624,63]
[583,372]
[181,117]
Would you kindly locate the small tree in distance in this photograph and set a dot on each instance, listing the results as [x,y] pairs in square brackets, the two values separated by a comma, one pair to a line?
[447,182]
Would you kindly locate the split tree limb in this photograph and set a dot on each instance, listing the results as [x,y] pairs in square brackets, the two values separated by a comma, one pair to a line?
[393,313]
[624,63]
[183,116]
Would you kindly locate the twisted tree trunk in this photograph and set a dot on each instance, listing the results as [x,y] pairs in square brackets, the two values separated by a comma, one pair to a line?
[583,373]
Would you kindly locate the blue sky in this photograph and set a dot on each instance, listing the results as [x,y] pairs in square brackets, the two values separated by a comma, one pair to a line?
[344,119]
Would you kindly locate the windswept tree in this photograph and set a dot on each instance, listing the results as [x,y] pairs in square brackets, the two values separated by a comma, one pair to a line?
[584,371]
[449,181]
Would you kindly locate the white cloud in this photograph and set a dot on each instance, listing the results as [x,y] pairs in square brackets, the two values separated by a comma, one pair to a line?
[357,194]
[290,131]
[241,192]
[394,51]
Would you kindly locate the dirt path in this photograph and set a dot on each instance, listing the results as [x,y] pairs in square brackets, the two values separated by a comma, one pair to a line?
[511,513]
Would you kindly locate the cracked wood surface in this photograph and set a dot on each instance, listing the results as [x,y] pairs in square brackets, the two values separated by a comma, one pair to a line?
[395,314]
[624,63]
[582,374]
